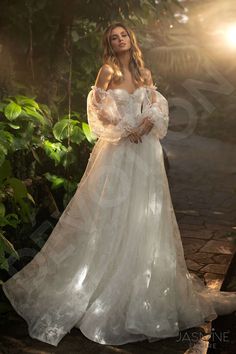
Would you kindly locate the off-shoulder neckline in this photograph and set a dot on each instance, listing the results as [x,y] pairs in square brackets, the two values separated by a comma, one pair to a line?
[124,90]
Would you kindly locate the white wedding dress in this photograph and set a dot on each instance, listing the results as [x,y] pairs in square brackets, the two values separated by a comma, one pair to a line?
[114,265]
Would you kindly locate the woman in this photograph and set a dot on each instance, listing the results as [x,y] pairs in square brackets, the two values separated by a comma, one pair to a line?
[114,264]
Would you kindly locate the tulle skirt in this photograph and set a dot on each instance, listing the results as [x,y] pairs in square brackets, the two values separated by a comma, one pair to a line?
[114,265]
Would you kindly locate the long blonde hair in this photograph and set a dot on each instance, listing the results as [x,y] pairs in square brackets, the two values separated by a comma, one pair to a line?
[136,63]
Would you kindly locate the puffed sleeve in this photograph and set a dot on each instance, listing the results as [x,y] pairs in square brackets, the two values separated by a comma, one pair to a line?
[157,111]
[104,118]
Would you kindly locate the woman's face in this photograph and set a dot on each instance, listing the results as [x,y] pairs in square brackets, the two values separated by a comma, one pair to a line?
[120,40]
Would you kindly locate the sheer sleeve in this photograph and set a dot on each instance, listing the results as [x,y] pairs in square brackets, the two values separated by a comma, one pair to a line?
[157,111]
[104,118]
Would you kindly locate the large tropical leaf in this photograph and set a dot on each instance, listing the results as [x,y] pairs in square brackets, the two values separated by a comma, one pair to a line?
[32,113]
[87,132]
[26,101]
[63,129]
[12,110]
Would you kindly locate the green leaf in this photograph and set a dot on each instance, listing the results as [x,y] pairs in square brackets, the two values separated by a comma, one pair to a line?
[60,129]
[6,138]
[36,156]
[63,128]
[3,263]
[12,110]
[3,148]
[18,187]
[9,219]
[55,151]
[12,219]
[13,126]
[30,198]
[19,143]
[31,112]
[3,153]
[7,247]
[46,110]
[77,135]
[87,132]
[26,101]
[25,210]
[56,181]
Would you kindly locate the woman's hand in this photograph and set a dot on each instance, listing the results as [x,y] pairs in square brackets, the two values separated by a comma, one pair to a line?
[134,137]
[143,128]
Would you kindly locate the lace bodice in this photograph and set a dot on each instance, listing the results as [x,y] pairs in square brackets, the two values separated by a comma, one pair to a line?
[114,113]
[129,104]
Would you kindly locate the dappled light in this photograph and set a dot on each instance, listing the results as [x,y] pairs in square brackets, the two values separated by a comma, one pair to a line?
[231,35]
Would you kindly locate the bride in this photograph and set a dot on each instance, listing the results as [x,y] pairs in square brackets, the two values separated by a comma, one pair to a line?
[114,265]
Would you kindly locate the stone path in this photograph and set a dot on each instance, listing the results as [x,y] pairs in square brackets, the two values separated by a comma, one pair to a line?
[202,183]
[202,180]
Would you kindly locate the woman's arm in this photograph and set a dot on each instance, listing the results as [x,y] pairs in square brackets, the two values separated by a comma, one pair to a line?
[155,110]
[146,125]
[103,116]
[104,77]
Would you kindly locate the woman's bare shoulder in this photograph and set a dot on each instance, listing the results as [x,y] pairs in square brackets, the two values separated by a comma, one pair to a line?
[145,71]
[147,76]
[104,76]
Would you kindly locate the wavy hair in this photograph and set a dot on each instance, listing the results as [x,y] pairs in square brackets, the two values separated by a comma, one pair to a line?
[136,63]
